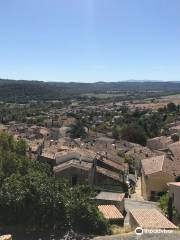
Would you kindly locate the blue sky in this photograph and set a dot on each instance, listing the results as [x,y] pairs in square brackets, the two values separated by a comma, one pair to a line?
[90,40]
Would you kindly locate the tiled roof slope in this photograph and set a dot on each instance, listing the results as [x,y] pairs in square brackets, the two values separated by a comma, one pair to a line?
[151,218]
[110,212]
[163,163]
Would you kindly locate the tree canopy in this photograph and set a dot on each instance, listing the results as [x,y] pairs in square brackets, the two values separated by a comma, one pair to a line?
[77,130]
[133,133]
[171,107]
[32,198]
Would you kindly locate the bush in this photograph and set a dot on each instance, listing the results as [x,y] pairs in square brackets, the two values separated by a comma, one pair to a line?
[171,107]
[83,208]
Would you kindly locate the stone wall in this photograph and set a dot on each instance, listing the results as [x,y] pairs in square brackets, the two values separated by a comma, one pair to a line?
[156,182]
[174,192]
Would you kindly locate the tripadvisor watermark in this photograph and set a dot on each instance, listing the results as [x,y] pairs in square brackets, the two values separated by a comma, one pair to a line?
[140,231]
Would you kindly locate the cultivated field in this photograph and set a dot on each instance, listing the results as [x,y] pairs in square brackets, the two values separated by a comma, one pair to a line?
[155,103]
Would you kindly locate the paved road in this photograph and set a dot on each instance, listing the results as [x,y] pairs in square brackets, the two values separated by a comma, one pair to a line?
[131,203]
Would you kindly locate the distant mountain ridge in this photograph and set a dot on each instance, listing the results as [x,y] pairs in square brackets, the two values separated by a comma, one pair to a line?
[21,89]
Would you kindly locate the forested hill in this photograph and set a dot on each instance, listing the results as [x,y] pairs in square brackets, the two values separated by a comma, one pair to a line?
[15,90]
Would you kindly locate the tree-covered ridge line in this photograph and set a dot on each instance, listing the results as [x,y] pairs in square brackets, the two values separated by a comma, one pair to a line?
[31,198]
[23,91]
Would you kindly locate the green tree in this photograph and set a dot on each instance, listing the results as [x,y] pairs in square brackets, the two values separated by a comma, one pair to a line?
[77,130]
[171,107]
[133,133]
[21,147]
[115,133]
[82,207]
[152,124]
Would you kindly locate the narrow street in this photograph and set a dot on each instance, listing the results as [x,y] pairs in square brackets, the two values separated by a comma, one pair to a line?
[137,201]
[137,195]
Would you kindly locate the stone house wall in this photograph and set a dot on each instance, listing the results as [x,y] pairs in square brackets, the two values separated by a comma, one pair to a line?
[156,182]
[174,192]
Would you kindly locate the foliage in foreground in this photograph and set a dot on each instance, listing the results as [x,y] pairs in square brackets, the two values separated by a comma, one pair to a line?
[30,197]
[163,203]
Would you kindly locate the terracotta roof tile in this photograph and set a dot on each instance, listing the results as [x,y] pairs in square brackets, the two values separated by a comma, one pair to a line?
[151,218]
[110,212]
[153,164]
[119,166]
[164,163]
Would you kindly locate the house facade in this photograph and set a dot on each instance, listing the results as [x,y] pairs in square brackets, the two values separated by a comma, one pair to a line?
[174,194]
[156,173]
[95,171]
